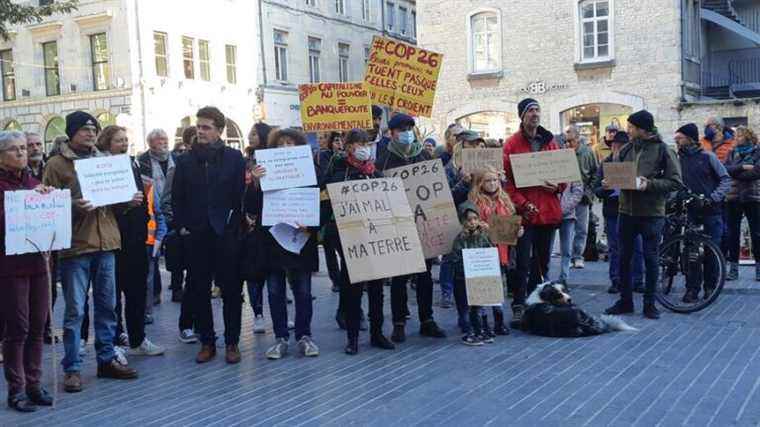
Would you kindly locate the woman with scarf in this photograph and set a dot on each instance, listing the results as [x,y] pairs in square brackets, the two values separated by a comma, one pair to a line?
[25,290]
[356,164]
[743,165]
[404,149]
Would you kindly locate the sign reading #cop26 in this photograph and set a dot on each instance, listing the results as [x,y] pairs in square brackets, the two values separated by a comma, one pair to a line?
[402,76]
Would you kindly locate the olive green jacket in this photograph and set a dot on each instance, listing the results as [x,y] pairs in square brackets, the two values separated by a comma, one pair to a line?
[659,164]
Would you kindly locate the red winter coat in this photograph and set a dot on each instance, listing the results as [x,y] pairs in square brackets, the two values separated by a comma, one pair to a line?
[16,265]
[547,202]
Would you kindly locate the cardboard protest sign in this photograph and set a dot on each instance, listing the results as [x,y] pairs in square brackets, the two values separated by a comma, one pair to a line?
[402,76]
[432,205]
[31,217]
[376,228]
[106,180]
[504,229]
[482,275]
[479,159]
[335,107]
[535,169]
[289,167]
[621,175]
[293,206]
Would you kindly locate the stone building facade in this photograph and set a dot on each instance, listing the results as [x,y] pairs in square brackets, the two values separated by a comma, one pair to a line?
[143,65]
[588,62]
[320,41]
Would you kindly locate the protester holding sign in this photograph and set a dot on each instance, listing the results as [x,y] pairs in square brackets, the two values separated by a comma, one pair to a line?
[95,238]
[356,165]
[25,291]
[297,267]
[538,205]
[492,201]
[207,195]
[131,260]
[402,150]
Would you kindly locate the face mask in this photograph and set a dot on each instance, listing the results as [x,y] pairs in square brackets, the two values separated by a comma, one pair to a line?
[362,154]
[406,138]
[709,133]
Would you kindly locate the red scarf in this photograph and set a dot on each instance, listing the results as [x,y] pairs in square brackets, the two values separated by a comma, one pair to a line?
[366,167]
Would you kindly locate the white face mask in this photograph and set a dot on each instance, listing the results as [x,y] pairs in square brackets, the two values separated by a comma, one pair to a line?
[362,154]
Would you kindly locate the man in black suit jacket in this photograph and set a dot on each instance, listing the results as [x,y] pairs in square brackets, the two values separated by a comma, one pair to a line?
[207,194]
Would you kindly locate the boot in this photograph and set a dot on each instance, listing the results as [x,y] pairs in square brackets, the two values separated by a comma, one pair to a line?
[352,345]
[650,311]
[399,333]
[757,271]
[378,339]
[430,329]
[498,323]
[733,271]
[691,296]
[620,307]
[517,313]
[340,318]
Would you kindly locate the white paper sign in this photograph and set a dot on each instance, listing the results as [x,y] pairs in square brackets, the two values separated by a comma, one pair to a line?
[292,206]
[290,167]
[482,273]
[106,180]
[290,238]
[31,216]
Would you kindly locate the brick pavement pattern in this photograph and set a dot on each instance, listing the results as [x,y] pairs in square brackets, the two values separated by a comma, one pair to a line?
[699,369]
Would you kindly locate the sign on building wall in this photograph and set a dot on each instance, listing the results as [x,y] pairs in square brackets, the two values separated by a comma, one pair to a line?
[335,107]
[402,76]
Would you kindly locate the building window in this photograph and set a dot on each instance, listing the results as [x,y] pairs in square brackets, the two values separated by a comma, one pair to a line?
[52,76]
[162,60]
[343,51]
[340,7]
[413,25]
[402,21]
[281,55]
[46,2]
[311,3]
[485,42]
[101,70]
[233,136]
[230,53]
[188,62]
[205,59]
[366,11]
[390,15]
[55,127]
[692,44]
[106,119]
[315,48]
[8,75]
[594,30]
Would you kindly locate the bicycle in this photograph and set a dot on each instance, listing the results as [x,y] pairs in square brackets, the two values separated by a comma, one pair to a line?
[688,258]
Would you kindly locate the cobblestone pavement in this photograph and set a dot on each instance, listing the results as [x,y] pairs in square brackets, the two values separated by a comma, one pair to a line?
[699,369]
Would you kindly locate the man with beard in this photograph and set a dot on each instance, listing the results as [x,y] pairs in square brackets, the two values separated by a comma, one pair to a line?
[36,154]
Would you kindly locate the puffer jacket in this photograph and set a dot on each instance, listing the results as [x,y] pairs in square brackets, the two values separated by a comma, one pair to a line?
[95,231]
[745,185]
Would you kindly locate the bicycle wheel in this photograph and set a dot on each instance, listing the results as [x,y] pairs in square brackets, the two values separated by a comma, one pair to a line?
[686,262]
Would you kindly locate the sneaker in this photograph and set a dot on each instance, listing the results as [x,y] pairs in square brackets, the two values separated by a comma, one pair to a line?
[187,336]
[258,325]
[82,348]
[147,348]
[72,382]
[216,292]
[116,370]
[278,350]
[148,319]
[123,340]
[620,308]
[291,325]
[120,354]
[579,264]
[472,340]
[487,337]
[307,347]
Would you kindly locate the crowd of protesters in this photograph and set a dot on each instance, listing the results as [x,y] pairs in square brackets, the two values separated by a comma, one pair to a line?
[200,206]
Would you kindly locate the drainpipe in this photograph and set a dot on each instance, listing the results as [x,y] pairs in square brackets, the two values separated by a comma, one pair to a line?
[262,53]
[683,59]
[141,72]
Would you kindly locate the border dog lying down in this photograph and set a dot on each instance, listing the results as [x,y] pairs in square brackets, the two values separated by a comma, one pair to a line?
[551,313]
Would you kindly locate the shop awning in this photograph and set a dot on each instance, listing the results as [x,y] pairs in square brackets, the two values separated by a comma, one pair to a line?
[730,25]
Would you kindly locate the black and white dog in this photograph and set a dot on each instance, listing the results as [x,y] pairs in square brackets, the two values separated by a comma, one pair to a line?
[551,313]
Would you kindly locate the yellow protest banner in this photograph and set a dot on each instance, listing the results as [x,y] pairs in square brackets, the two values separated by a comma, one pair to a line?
[335,106]
[402,76]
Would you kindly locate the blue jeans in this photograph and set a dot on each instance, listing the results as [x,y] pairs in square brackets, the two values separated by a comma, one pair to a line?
[446,278]
[300,284]
[581,230]
[256,295]
[650,230]
[713,227]
[613,243]
[566,246]
[75,275]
